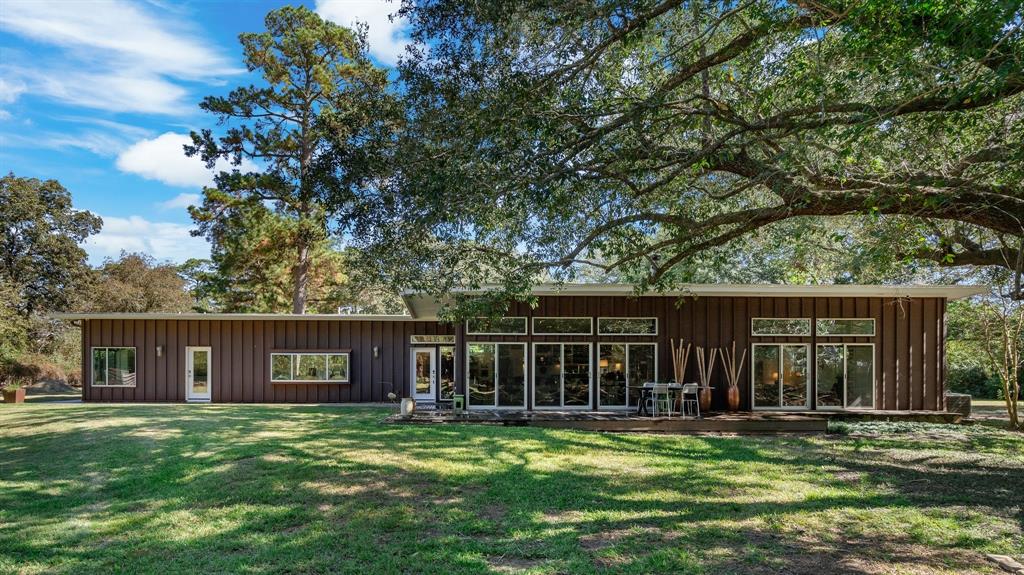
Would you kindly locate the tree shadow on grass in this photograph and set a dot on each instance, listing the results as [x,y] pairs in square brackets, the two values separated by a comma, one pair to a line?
[303,489]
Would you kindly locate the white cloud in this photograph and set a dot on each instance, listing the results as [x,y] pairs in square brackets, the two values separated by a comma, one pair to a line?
[10,90]
[106,140]
[115,55]
[163,159]
[118,91]
[387,38]
[162,240]
[181,201]
[120,30]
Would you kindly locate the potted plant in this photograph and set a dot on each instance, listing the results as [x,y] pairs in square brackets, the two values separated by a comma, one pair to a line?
[14,393]
[705,366]
[14,375]
[733,369]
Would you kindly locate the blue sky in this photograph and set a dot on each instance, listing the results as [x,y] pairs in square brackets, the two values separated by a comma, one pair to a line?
[101,94]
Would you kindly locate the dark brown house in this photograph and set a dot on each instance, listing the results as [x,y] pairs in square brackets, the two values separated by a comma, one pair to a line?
[582,347]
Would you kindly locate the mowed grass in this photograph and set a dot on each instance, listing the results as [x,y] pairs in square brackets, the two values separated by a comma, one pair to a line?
[242,489]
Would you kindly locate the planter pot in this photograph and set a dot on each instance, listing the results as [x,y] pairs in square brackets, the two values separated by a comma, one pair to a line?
[705,399]
[408,406]
[733,398]
[16,396]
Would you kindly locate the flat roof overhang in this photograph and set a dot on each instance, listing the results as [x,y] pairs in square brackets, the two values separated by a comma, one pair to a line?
[425,307]
[428,306]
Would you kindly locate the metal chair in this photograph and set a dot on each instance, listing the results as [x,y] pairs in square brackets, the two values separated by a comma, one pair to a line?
[661,399]
[694,390]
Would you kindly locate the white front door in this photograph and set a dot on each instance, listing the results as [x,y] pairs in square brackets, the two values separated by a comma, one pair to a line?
[198,382]
[424,374]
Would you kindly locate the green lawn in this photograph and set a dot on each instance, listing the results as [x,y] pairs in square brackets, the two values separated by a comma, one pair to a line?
[216,489]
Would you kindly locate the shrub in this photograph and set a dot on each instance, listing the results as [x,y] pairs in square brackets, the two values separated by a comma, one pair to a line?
[15,374]
[975,381]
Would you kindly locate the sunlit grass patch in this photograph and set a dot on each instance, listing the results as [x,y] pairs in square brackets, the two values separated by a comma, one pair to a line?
[185,489]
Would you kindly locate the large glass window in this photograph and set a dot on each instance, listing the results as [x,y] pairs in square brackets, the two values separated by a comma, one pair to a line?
[627,326]
[446,373]
[562,326]
[561,375]
[309,367]
[622,369]
[845,376]
[780,326]
[496,326]
[496,374]
[780,375]
[113,366]
[865,326]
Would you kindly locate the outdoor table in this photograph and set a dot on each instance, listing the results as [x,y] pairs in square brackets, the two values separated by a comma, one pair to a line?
[641,407]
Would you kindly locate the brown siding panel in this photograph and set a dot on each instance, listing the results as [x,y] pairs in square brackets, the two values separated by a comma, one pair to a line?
[909,346]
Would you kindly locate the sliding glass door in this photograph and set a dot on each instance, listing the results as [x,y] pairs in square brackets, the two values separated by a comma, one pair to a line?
[780,376]
[496,374]
[622,369]
[845,376]
[561,375]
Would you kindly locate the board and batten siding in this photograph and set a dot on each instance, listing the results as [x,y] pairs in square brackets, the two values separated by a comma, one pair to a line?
[909,346]
[909,335]
[240,357]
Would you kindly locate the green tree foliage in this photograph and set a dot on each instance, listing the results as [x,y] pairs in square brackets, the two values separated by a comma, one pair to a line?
[318,90]
[251,272]
[42,266]
[136,283]
[636,136]
[41,232]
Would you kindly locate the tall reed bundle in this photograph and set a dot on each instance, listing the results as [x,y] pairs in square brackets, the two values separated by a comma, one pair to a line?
[705,364]
[680,357]
[732,367]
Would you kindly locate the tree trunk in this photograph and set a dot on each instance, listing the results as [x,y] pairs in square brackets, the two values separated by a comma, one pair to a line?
[300,275]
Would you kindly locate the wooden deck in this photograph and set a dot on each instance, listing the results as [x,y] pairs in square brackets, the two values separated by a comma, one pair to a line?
[741,422]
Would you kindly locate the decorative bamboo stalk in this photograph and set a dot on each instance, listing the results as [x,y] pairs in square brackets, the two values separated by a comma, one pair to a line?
[705,365]
[733,369]
[680,357]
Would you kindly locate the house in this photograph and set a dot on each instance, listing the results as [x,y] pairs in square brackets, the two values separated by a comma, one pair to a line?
[582,347]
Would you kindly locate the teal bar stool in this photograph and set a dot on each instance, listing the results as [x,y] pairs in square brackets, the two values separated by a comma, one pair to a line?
[458,403]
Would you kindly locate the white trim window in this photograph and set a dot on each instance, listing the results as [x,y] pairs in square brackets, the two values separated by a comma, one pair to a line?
[622,368]
[561,375]
[309,367]
[844,375]
[627,326]
[496,375]
[563,326]
[854,327]
[780,375]
[113,367]
[496,326]
[780,326]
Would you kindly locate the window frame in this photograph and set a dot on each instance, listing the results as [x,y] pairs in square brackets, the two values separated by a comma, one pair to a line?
[533,325]
[526,327]
[846,376]
[561,376]
[497,359]
[597,374]
[619,334]
[293,355]
[812,374]
[106,371]
[810,327]
[874,327]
